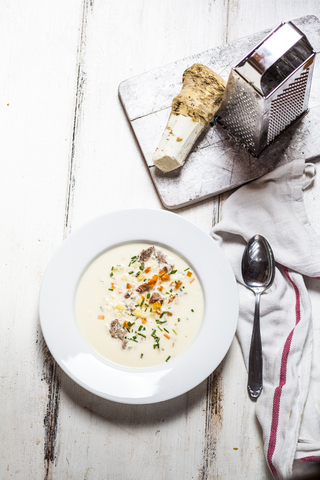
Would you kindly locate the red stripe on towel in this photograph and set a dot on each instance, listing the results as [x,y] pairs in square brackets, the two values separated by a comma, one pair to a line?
[313,458]
[282,382]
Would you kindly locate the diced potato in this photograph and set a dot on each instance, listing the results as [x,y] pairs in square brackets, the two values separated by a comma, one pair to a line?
[139,314]
[120,307]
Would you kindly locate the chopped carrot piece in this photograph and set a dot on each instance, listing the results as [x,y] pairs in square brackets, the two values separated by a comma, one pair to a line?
[165,277]
[128,285]
[144,320]
[100,317]
[147,270]
[178,284]
[169,314]
[160,288]
[162,272]
[152,281]
[156,305]
[172,283]
[171,298]
[167,336]
[189,274]
[125,324]
[192,280]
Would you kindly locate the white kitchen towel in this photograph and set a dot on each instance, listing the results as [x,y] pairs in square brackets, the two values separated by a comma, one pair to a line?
[288,408]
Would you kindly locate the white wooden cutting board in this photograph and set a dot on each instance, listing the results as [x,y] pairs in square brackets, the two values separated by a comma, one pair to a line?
[216,164]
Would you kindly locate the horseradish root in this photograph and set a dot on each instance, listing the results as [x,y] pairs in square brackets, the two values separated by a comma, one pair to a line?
[191,111]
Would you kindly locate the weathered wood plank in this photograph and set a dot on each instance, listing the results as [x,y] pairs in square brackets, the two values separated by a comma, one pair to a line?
[165,440]
[38,48]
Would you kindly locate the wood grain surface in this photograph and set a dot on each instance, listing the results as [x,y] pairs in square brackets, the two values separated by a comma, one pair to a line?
[68,154]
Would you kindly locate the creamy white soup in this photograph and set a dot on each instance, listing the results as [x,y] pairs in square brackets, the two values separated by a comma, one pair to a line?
[139,305]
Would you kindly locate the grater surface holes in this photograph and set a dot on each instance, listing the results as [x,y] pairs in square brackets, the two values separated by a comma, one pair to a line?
[287,106]
[240,116]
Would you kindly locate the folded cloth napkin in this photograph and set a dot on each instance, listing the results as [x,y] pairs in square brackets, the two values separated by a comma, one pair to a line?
[288,408]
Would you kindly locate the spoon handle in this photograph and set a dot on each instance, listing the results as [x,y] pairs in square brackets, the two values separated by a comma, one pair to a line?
[255,383]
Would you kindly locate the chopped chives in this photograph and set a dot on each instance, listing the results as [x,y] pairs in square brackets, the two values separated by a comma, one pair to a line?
[174,332]
[173,272]
[141,266]
[130,272]
[179,319]
[141,355]
[111,289]
[141,335]
[160,328]
[133,259]
[186,269]
[168,358]
[140,328]
[166,330]
[148,295]
[192,310]
[111,274]
[142,302]
[161,315]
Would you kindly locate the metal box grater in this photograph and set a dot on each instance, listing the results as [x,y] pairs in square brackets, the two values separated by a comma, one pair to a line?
[268,89]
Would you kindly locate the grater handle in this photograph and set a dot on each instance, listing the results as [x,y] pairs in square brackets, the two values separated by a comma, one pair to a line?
[280,40]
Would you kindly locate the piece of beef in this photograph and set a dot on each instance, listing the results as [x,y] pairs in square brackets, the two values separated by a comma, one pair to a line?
[128,294]
[124,343]
[144,255]
[155,297]
[116,330]
[160,256]
[143,287]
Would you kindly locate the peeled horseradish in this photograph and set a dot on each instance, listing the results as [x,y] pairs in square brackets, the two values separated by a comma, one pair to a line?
[191,111]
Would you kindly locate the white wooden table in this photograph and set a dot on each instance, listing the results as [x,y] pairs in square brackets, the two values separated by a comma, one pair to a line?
[68,154]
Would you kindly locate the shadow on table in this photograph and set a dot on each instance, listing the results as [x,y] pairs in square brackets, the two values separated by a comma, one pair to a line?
[127,414]
[208,396]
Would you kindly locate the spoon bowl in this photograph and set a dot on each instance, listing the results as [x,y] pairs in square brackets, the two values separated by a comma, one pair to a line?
[258,270]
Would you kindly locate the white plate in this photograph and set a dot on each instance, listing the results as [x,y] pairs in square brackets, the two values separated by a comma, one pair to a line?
[143,385]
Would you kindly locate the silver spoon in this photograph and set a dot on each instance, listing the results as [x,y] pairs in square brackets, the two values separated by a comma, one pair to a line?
[258,273]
